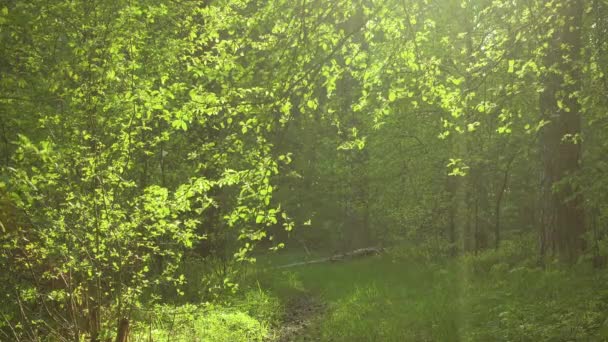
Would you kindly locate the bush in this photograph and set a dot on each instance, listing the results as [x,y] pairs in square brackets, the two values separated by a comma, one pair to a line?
[511,253]
[210,279]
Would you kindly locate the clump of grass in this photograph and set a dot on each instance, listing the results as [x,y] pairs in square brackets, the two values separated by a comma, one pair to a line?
[248,317]
[262,306]
[192,323]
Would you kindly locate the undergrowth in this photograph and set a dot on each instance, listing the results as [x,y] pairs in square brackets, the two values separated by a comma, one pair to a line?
[249,316]
[403,295]
[496,295]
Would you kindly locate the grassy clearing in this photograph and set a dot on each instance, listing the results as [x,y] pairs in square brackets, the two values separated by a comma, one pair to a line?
[375,299]
[494,296]
[475,299]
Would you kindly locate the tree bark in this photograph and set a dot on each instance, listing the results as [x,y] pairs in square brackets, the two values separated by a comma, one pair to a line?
[563,215]
[503,188]
[123,331]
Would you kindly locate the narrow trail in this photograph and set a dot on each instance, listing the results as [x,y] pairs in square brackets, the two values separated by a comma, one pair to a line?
[298,320]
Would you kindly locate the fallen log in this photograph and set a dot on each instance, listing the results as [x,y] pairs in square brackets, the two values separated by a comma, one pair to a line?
[361,252]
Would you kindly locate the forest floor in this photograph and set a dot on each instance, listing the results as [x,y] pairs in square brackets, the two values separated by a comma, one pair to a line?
[383,298]
[298,320]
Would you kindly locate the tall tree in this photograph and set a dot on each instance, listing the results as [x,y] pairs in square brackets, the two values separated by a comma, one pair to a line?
[563,216]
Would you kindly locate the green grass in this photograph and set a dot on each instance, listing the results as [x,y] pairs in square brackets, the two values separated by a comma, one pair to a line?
[375,299]
[248,317]
[391,299]
[190,323]
[398,296]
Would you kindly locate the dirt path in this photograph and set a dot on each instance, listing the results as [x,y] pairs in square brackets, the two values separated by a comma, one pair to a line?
[299,316]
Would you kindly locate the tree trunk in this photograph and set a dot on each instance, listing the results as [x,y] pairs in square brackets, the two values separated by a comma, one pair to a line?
[563,215]
[123,331]
[499,198]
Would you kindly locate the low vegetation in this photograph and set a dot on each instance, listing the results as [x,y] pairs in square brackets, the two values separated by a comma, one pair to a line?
[495,295]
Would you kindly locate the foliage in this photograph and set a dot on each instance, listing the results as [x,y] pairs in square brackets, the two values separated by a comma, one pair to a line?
[121,165]
[519,252]
[149,151]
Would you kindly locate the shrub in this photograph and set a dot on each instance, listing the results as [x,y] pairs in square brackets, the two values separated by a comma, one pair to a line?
[511,253]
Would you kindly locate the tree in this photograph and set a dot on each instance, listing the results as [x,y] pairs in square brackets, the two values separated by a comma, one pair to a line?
[563,214]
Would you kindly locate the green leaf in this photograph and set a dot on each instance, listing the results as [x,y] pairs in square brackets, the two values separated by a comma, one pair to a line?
[312,104]
[179,124]
[471,127]
[456,81]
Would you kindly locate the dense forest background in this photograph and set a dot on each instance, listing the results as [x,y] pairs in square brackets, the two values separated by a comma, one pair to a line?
[151,152]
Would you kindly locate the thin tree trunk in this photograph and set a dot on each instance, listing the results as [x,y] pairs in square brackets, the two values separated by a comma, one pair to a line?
[123,330]
[499,198]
